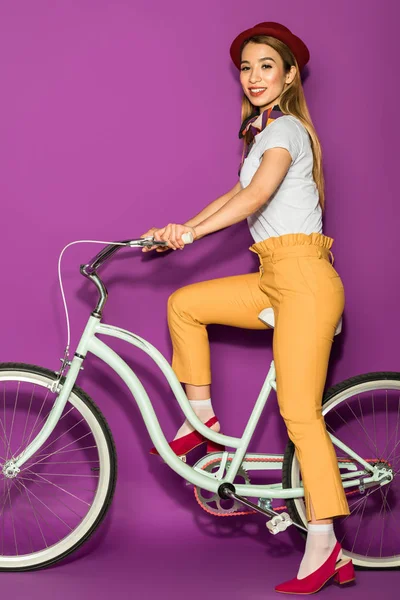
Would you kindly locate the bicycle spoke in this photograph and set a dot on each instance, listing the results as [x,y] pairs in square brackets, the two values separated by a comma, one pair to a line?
[363,498]
[62,434]
[384,453]
[5,495]
[365,431]
[387,425]
[39,426]
[5,421]
[352,507]
[386,502]
[72,475]
[396,431]
[66,446]
[2,532]
[362,420]
[66,451]
[379,515]
[394,449]
[81,489]
[12,520]
[344,519]
[68,462]
[17,485]
[361,502]
[59,487]
[36,512]
[12,421]
[37,417]
[383,526]
[27,417]
[372,450]
[48,508]
[359,525]
[398,419]
[389,439]
[5,441]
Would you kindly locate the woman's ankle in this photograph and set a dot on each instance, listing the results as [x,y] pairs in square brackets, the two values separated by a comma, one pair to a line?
[204,416]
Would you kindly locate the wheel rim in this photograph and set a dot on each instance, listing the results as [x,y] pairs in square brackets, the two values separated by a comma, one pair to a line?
[60,491]
[366,417]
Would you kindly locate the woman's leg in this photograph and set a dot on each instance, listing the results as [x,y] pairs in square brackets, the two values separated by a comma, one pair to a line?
[234,301]
[308,300]
[197,392]
[304,328]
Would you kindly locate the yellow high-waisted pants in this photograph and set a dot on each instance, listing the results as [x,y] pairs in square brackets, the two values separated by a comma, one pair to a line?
[298,281]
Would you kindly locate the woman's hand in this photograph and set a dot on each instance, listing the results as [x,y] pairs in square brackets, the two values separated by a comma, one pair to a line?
[172,234]
[150,233]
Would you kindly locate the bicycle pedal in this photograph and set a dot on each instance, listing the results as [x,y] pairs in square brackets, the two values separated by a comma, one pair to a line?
[279,523]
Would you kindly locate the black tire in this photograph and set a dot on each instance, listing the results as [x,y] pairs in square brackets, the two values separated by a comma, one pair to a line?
[99,417]
[344,386]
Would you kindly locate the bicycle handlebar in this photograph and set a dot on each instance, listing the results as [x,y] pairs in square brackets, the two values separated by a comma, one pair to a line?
[107,252]
[89,270]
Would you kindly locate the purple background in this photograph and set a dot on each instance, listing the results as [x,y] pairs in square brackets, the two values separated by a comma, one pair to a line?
[121,115]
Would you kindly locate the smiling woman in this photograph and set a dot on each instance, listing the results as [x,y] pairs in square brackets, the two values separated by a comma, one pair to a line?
[281,194]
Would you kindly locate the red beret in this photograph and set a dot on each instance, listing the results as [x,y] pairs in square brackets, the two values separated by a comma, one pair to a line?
[276,30]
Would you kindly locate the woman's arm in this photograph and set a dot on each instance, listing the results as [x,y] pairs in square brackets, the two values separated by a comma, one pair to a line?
[214,206]
[269,175]
[209,210]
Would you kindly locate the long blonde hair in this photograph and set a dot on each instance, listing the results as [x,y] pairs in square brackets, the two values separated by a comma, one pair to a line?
[292,102]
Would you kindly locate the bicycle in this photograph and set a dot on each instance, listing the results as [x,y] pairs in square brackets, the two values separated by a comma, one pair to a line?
[59,462]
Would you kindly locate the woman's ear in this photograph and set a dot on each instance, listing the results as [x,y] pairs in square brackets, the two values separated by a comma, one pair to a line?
[291,74]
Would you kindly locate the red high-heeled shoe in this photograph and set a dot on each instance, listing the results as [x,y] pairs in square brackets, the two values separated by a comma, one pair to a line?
[186,443]
[342,571]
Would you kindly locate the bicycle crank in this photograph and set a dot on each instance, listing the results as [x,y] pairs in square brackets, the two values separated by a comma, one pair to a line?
[279,522]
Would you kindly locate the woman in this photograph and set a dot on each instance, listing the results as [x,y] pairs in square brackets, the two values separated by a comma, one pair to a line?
[281,194]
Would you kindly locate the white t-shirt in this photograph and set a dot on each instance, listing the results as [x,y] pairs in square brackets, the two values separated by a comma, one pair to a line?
[294,207]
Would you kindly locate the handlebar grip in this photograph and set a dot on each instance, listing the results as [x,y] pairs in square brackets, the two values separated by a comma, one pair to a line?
[187,238]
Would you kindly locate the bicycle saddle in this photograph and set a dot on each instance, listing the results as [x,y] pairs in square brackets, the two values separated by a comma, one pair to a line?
[267,316]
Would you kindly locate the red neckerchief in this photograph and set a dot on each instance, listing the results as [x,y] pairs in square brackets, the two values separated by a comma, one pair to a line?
[256,123]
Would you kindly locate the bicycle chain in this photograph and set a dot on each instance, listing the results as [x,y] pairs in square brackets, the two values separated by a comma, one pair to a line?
[221,512]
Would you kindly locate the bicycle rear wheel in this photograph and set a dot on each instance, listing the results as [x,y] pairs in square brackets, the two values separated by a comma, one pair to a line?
[62,492]
[364,413]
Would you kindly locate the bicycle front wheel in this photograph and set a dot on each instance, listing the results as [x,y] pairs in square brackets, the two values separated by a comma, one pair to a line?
[62,493]
[364,413]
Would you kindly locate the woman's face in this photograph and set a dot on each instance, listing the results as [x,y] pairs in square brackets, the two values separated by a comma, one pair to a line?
[262,75]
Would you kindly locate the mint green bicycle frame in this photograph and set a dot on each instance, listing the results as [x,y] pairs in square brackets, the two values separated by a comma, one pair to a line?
[90,343]
[208,481]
